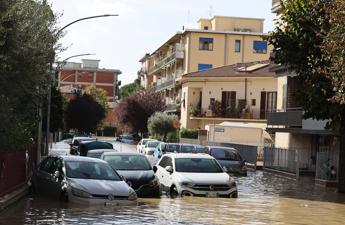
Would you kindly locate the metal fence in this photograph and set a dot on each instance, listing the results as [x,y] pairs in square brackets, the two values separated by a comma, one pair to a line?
[248,152]
[324,166]
[281,159]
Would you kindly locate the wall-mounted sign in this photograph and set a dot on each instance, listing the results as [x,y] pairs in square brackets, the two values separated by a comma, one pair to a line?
[219,129]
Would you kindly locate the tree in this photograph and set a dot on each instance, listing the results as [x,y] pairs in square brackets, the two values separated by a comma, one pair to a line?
[134,111]
[84,114]
[99,94]
[56,111]
[300,41]
[161,124]
[27,46]
[130,89]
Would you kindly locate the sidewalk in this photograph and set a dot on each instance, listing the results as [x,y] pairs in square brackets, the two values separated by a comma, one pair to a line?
[12,197]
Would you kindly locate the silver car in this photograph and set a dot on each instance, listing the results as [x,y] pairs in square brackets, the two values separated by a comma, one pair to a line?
[82,180]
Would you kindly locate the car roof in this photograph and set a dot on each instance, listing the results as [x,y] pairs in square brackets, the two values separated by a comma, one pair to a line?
[100,150]
[222,147]
[190,155]
[70,158]
[186,144]
[122,153]
[153,141]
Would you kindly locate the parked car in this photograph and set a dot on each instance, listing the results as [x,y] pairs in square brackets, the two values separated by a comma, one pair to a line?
[91,145]
[187,174]
[187,148]
[142,143]
[229,158]
[166,148]
[201,149]
[82,180]
[150,147]
[97,153]
[136,170]
[74,150]
[126,138]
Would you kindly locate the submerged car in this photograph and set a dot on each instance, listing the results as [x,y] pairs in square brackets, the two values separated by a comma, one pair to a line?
[82,180]
[76,142]
[186,174]
[97,153]
[150,147]
[85,147]
[136,170]
[229,158]
[142,143]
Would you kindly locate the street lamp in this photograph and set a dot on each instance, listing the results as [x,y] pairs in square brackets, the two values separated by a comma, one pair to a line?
[51,70]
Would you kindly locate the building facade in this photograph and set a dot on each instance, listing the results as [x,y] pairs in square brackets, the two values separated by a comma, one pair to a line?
[233,93]
[79,75]
[218,41]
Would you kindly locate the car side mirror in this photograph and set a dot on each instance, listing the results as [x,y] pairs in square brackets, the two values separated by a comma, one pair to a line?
[225,169]
[154,169]
[169,169]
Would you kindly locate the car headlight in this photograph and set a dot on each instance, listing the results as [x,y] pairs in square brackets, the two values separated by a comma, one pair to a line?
[187,184]
[81,193]
[132,195]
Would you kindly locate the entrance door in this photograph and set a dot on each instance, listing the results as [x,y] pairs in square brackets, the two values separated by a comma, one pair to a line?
[268,103]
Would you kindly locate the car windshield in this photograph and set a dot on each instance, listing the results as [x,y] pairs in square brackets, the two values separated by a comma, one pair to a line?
[145,141]
[197,165]
[90,170]
[171,148]
[94,154]
[187,148]
[226,154]
[152,144]
[128,162]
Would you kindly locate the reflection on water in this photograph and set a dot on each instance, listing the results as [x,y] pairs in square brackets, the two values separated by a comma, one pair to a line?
[263,199]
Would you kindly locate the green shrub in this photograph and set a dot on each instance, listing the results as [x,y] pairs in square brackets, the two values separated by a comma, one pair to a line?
[172,137]
[189,133]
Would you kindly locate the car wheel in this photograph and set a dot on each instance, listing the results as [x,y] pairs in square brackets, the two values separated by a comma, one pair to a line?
[173,192]
[234,195]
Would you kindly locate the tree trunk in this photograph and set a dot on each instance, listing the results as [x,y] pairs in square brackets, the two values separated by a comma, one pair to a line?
[341,169]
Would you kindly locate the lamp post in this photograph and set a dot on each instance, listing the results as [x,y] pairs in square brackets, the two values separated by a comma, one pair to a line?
[51,70]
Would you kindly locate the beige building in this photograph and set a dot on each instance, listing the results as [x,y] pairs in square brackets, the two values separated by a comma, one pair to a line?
[235,93]
[217,42]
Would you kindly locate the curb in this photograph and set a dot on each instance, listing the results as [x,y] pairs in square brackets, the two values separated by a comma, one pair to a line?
[12,197]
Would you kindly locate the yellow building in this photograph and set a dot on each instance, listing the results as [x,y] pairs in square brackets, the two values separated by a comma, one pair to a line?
[233,93]
[218,41]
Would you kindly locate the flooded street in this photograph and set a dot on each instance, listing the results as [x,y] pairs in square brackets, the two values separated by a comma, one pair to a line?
[263,199]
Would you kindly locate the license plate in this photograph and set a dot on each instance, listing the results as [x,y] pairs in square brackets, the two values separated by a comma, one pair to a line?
[211,194]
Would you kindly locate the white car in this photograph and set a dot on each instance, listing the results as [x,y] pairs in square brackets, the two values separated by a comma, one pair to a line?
[150,147]
[142,143]
[187,174]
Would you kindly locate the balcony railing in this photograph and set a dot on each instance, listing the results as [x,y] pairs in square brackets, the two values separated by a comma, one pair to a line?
[163,84]
[287,119]
[176,53]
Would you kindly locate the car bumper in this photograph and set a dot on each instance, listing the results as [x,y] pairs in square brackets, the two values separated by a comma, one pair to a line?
[101,201]
[186,191]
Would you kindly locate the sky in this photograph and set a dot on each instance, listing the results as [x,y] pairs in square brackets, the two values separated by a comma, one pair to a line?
[141,27]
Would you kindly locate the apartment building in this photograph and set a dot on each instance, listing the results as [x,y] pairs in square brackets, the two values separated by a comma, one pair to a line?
[79,75]
[302,143]
[218,41]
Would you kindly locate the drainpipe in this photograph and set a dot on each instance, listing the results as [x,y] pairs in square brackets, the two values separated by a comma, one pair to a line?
[245,89]
[243,44]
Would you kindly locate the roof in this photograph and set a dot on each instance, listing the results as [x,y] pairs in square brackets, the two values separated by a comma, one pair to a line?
[252,69]
[231,17]
[190,155]
[226,32]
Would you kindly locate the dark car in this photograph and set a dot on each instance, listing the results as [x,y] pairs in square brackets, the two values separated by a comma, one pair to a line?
[166,148]
[229,158]
[85,147]
[136,170]
[187,148]
[76,142]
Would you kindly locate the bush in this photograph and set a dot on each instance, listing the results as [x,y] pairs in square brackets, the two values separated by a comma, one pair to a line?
[189,133]
[172,137]
[160,124]
[109,131]
[193,111]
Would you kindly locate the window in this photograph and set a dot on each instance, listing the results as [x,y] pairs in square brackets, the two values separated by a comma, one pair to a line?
[205,27]
[204,67]
[237,45]
[206,44]
[260,47]
[226,154]
[197,165]
[166,161]
[229,103]
[253,102]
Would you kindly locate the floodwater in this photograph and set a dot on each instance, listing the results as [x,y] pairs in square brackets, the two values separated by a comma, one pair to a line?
[263,199]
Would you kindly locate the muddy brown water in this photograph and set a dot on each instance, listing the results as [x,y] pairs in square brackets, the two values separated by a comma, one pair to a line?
[263,199]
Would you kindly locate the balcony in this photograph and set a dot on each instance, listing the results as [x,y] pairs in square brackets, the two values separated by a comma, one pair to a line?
[163,84]
[173,54]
